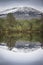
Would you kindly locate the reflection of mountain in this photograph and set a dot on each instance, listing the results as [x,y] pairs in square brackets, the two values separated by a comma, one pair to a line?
[22,13]
[27,44]
[23,44]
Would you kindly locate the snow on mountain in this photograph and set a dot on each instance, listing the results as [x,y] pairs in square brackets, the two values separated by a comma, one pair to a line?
[23,9]
[8,11]
[22,12]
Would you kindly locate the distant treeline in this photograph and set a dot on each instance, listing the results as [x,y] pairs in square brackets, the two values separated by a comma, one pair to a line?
[10,24]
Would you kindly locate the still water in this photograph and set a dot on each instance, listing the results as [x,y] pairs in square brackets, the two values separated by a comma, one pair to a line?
[21,49]
[21,40]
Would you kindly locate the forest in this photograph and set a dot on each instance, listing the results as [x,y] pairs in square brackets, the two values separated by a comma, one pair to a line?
[12,30]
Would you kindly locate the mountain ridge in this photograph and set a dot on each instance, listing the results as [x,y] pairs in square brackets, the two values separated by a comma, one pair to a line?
[22,12]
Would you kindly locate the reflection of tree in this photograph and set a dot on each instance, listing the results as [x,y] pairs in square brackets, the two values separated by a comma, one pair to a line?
[41,30]
[11,42]
[30,38]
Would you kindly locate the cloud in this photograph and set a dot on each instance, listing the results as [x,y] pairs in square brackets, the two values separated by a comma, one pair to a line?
[11,3]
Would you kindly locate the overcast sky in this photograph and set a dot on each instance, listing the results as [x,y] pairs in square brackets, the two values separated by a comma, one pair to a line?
[6,4]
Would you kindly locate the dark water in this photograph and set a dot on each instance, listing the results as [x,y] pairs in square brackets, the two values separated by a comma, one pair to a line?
[11,39]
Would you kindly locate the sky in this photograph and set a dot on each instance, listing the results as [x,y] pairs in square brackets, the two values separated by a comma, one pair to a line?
[6,4]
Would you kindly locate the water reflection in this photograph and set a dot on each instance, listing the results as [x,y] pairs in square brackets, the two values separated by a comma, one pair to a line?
[11,39]
[26,49]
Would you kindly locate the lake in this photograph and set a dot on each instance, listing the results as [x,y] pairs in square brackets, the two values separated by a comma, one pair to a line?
[21,49]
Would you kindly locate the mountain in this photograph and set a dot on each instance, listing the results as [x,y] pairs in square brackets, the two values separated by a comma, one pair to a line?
[22,13]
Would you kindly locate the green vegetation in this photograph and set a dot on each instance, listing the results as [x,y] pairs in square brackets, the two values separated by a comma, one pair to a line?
[10,25]
[12,30]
